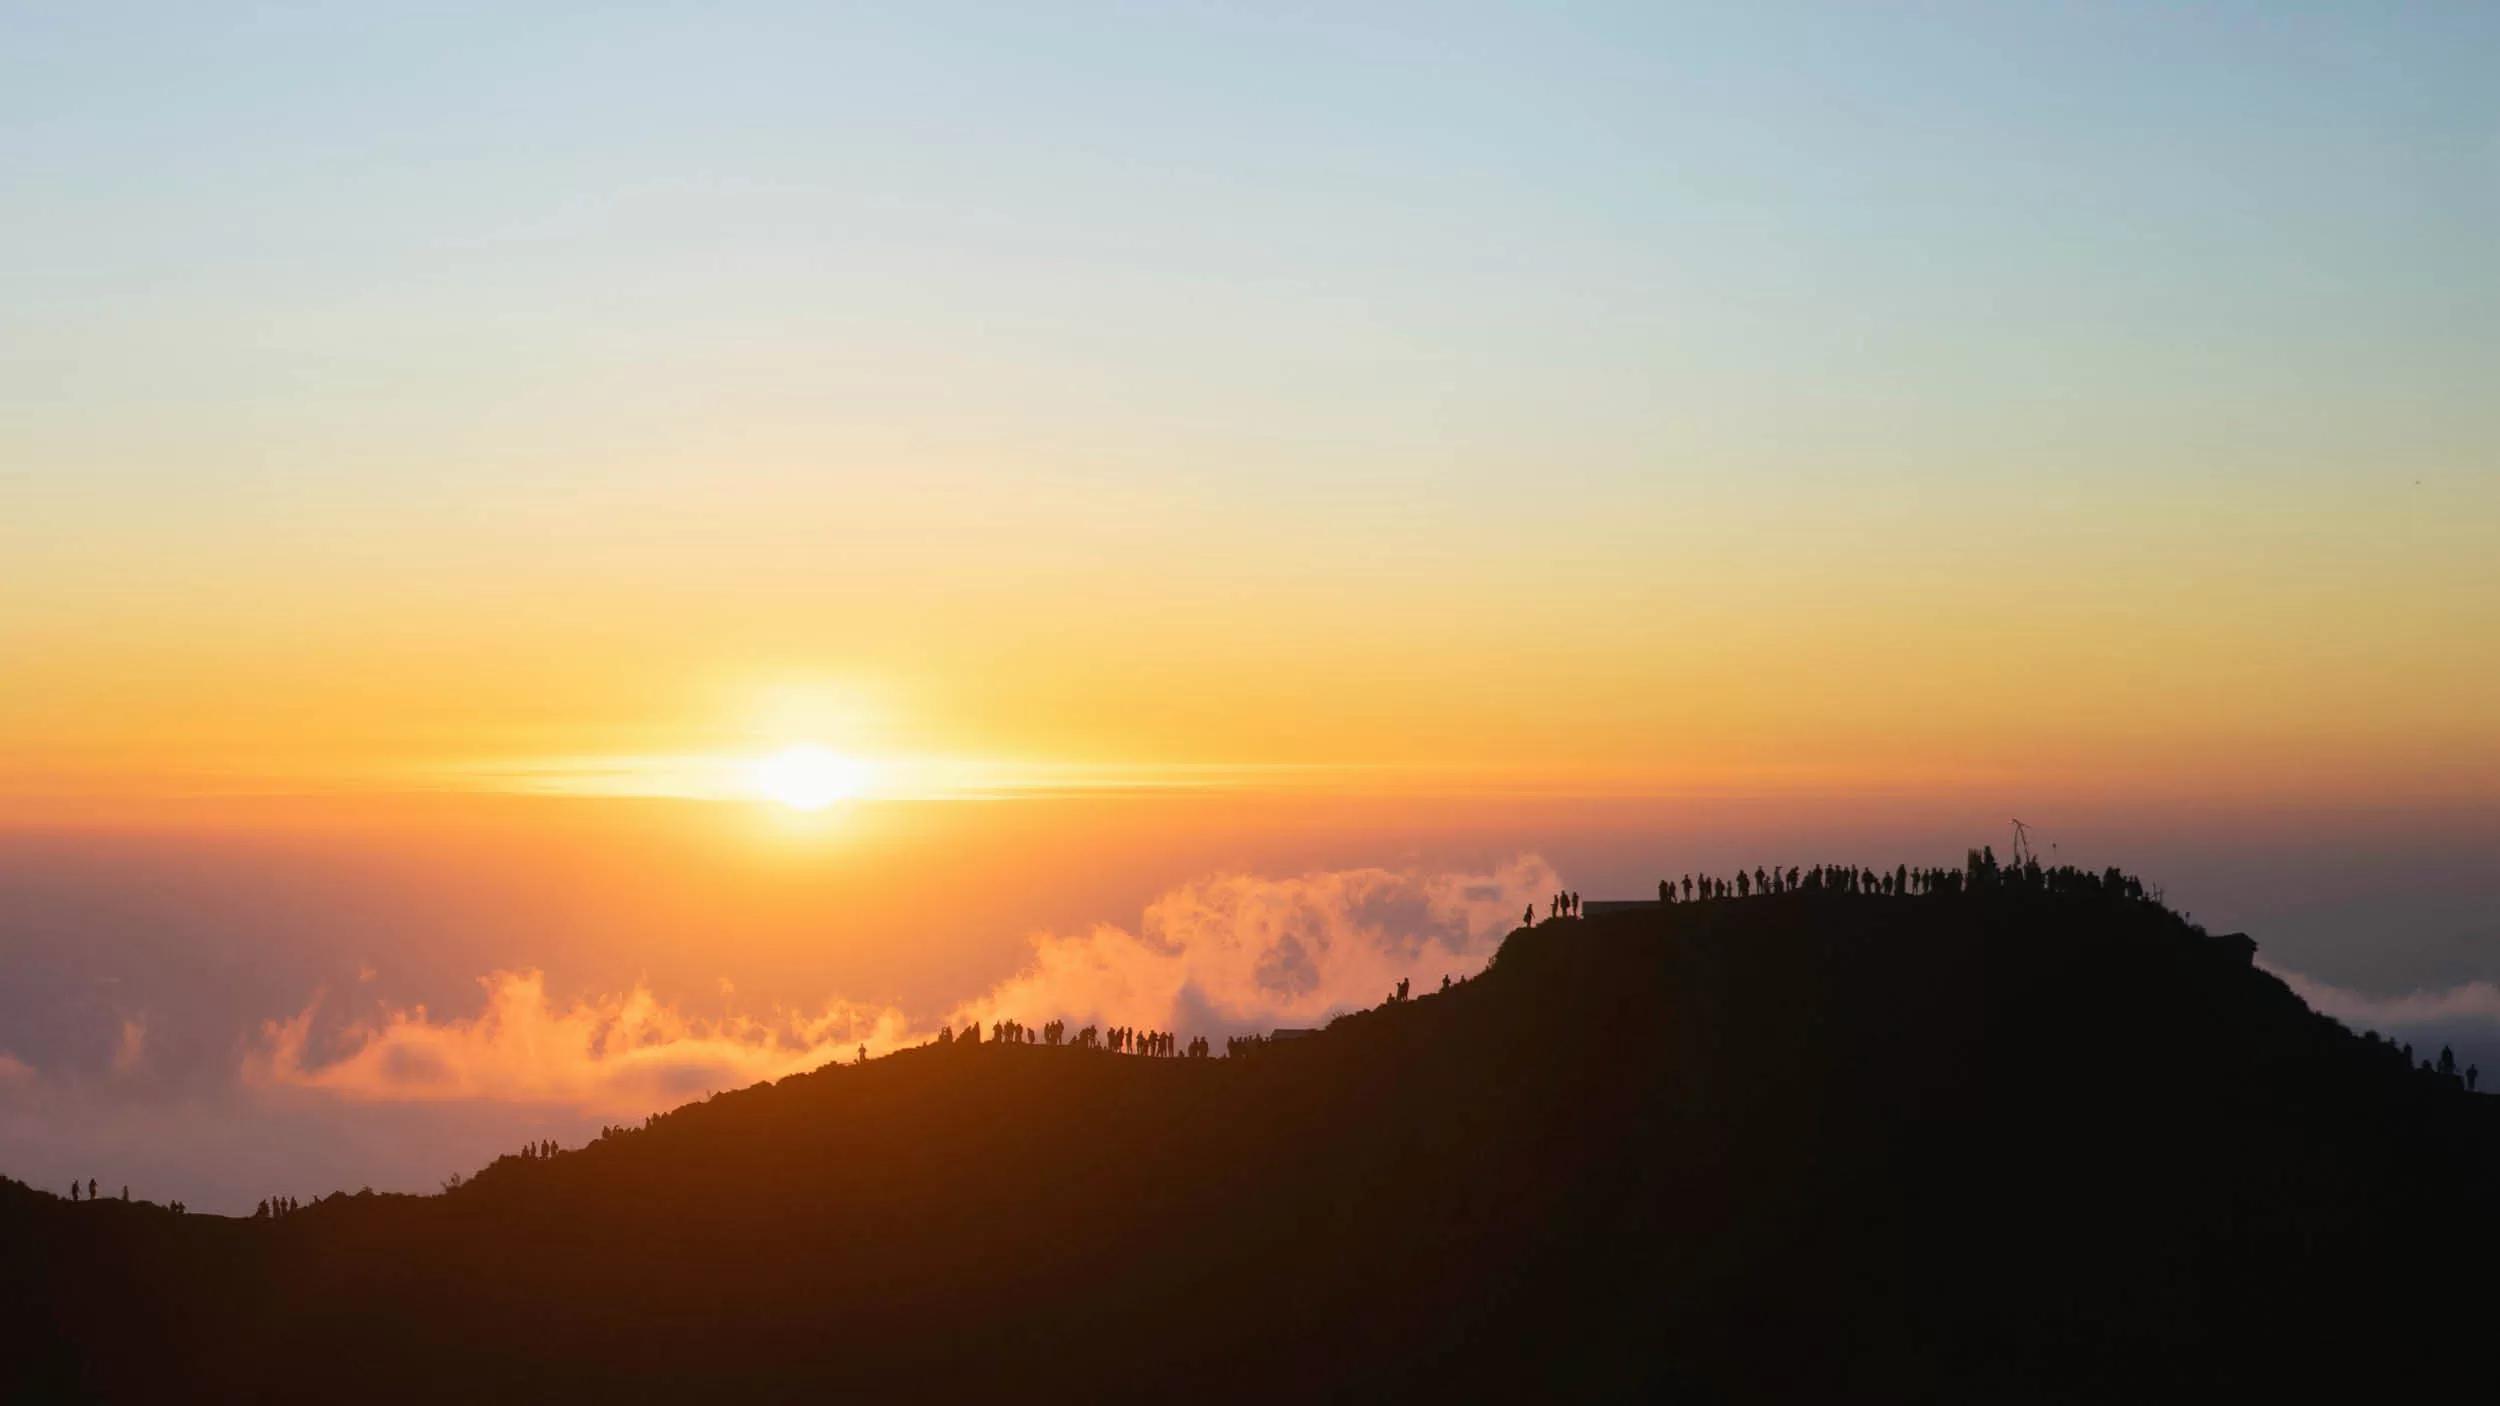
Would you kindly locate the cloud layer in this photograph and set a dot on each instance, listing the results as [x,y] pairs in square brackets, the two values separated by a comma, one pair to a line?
[1229,953]
[1240,952]
[2469,1003]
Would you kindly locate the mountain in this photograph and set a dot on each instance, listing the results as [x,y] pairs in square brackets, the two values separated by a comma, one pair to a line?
[2022,1139]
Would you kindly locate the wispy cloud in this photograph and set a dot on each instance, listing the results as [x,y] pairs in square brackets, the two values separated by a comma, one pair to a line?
[730,777]
[629,1052]
[131,1050]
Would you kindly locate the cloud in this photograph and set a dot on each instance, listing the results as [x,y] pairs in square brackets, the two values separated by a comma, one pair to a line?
[2473,1001]
[1239,952]
[625,1053]
[1228,953]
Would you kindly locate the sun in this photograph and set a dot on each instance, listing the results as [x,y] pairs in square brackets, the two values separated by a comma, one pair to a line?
[809,778]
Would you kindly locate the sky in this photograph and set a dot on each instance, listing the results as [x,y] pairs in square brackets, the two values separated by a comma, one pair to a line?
[1226,475]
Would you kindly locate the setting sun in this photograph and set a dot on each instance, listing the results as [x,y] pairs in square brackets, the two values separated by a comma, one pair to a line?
[809,778]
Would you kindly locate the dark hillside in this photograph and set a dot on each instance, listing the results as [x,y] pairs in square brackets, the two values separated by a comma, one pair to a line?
[2012,1143]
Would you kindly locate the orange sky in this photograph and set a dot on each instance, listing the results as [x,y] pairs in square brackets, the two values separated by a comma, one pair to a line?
[1759,653]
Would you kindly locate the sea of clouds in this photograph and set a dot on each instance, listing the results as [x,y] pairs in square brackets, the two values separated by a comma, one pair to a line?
[342,1091]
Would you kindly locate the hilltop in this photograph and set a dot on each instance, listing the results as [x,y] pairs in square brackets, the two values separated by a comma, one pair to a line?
[2031,1140]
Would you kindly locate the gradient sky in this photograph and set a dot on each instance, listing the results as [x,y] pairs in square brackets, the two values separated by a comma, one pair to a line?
[1322,459]
[1615,396]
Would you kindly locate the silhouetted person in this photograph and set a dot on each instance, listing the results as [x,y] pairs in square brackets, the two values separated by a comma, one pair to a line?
[1528,918]
[73,1191]
[91,1188]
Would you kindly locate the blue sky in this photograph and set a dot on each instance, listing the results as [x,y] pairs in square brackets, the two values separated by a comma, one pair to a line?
[1634,225]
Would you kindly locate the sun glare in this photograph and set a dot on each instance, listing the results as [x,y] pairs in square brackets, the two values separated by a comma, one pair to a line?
[809,778]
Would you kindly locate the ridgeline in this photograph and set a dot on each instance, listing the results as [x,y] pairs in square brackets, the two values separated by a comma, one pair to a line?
[2027,1138]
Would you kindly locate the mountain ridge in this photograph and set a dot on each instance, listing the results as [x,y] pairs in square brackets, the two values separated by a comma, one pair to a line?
[2003,1140]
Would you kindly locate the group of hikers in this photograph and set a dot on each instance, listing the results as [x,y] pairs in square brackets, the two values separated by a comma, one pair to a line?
[1127,1039]
[1006,1032]
[1902,880]
[1980,873]
[1119,1039]
[541,1150]
[275,1207]
[2445,1069]
[93,1193]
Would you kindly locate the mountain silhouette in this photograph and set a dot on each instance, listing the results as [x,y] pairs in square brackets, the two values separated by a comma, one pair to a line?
[2014,1142]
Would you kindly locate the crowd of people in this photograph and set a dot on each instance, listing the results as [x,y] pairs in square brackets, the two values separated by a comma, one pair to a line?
[1982,872]
[1119,1039]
